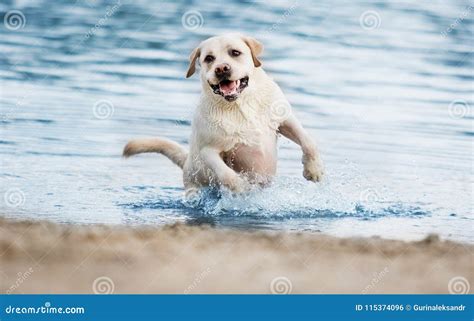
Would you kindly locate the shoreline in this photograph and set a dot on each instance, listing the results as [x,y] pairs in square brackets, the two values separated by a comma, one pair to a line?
[45,257]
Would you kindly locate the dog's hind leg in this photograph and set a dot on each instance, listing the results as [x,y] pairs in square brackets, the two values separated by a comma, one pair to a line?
[175,152]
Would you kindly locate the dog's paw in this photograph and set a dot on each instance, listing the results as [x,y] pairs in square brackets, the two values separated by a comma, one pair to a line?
[236,184]
[313,170]
[241,186]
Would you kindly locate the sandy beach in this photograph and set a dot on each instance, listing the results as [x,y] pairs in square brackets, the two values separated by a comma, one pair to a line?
[41,257]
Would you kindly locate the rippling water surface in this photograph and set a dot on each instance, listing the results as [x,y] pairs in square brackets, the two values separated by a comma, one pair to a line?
[384,87]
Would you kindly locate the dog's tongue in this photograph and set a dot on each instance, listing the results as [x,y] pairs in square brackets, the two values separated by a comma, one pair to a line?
[228,87]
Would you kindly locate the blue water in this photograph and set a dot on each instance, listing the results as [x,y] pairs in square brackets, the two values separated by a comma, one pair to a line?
[387,95]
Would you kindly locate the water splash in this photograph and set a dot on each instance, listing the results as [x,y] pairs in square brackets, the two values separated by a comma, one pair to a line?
[286,198]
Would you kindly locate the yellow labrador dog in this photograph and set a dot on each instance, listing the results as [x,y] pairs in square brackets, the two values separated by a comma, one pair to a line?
[237,121]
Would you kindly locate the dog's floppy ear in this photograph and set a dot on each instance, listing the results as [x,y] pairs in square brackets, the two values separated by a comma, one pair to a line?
[256,48]
[192,61]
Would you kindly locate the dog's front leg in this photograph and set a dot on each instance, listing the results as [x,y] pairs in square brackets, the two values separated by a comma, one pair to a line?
[224,174]
[292,129]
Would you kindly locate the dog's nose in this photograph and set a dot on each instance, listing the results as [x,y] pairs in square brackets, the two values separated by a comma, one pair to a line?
[222,70]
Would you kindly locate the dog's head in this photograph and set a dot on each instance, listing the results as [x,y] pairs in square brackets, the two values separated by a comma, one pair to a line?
[227,62]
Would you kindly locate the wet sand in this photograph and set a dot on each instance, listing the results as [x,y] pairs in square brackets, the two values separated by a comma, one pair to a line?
[42,257]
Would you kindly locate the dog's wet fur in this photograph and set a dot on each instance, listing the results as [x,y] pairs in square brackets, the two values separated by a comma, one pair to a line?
[236,124]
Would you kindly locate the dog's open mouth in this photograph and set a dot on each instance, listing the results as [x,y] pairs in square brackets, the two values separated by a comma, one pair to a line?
[230,89]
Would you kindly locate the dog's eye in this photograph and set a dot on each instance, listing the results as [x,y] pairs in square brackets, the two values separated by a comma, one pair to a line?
[209,58]
[235,53]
